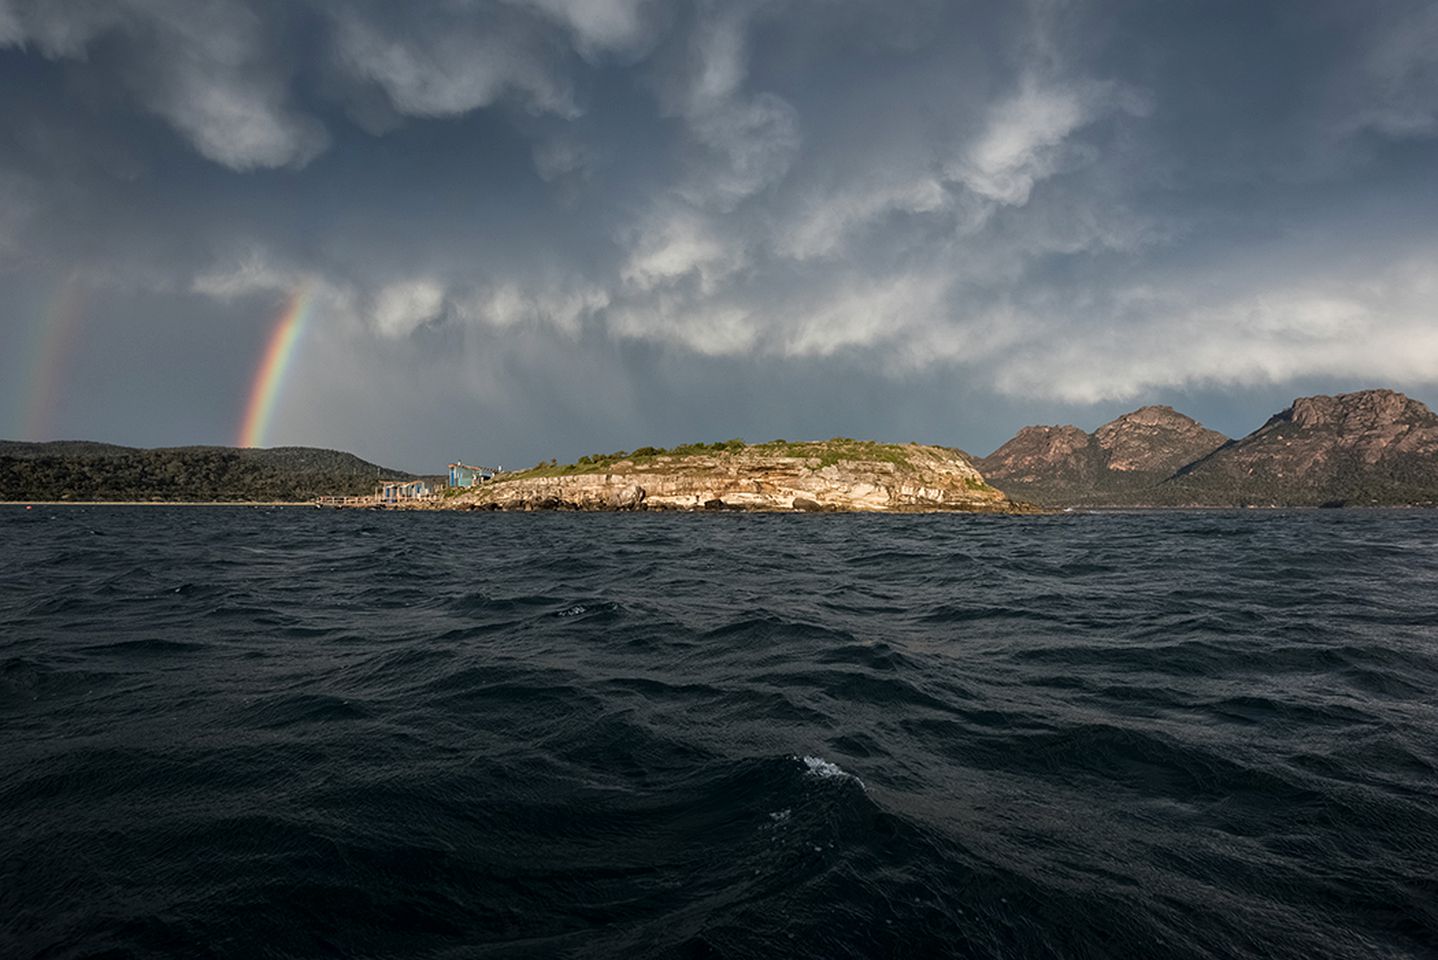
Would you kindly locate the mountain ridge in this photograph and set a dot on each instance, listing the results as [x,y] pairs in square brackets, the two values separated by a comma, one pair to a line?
[1377,447]
[1064,464]
[1365,447]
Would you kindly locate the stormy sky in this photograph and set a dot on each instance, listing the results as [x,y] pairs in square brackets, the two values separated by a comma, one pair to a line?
[552,227]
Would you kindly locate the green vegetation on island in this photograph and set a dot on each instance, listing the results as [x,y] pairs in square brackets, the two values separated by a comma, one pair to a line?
[826,452]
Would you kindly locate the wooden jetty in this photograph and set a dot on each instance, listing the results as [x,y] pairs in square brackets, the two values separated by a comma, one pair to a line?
[368,500]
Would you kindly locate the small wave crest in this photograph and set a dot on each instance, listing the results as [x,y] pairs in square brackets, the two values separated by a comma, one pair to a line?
[819,767]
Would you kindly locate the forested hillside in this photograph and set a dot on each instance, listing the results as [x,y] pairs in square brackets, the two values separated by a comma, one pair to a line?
[80,470]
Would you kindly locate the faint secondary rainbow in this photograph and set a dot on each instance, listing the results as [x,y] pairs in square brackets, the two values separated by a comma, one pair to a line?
[42,374]
[270,376]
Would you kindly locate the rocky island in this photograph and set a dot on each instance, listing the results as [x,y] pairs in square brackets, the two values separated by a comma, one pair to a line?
[830,475]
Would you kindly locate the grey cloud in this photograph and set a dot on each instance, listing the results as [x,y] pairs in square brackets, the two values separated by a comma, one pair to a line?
[754,141]
[1025,138]
[56,31]
[401,308]
[710,327]
[600,26]
[826,220]
[205,66]
[561,157]
[1393,87]
[451,64]
[17,205]
[214,83]
[564,307]
[677,242]
[745,141]
[214,69]
[509,206]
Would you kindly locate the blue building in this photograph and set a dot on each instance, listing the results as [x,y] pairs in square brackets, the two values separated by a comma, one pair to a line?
[463,475]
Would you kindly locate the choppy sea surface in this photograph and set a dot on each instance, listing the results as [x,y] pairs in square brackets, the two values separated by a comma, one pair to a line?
[244,732]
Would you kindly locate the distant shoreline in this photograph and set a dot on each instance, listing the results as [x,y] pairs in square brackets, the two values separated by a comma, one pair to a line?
[1041,511]
[156,503]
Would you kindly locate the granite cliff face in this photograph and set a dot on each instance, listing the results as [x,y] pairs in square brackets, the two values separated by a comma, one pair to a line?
[1154,439]
[1369,447]
[1114,464]
[1043,455]
[831,475]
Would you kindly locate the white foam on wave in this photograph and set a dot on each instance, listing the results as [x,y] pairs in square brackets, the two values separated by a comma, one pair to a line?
[819,767]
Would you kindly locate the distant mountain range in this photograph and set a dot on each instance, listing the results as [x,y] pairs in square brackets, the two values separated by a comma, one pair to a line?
[83,470]
[1364,448]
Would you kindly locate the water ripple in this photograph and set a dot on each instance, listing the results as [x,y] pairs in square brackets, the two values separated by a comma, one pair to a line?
[304,733]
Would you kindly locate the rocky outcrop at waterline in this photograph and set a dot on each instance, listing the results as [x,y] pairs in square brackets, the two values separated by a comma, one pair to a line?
[833,475]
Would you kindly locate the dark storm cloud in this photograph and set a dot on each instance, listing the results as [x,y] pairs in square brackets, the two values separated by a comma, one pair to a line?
[577,223]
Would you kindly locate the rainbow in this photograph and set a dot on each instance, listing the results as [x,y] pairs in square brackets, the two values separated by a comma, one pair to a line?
[270,376]
[54,342]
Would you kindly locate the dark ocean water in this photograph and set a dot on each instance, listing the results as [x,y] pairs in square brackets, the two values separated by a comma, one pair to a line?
[241,732]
